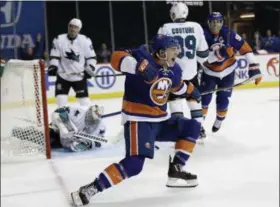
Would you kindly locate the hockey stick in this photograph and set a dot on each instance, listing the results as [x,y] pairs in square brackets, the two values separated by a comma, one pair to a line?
[82,135]
[101,140]
[96,76]
[90,137]
[111,114]
[230,87]
[205,93]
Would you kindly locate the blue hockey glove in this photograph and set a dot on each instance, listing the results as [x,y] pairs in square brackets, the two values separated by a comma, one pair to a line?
[254,71]
[224,52]
[145,69]
[193,93]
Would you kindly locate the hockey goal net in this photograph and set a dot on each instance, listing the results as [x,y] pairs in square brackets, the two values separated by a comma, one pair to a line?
[24,116]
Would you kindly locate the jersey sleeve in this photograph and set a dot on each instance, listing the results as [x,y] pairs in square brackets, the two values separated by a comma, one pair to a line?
[239,44]
[202,46]
[122,61]
[243,47]
[55,54]
[178,85]
[90,55]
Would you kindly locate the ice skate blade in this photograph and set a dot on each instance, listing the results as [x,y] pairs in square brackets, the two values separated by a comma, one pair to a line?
[180,183]
[76,200]
[201,141]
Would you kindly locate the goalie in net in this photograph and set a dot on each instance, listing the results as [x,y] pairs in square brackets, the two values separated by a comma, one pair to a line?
[77,129]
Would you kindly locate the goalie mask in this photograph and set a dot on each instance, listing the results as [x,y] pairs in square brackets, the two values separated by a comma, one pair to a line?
[93,115]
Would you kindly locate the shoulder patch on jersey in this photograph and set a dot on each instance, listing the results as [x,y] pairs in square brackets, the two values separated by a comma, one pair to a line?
[238,37]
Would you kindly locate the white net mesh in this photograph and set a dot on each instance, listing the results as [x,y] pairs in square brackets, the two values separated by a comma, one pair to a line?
[22,121]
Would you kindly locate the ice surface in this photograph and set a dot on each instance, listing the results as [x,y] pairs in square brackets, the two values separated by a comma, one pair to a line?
[238,166]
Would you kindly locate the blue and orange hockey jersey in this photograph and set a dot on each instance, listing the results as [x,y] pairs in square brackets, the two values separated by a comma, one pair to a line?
[144,101]
[224,66]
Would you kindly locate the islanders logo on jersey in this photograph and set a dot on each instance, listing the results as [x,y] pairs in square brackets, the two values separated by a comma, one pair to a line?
[160,90]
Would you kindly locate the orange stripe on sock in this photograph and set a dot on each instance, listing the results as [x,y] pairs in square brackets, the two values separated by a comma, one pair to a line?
[115,175]
[221,113]
[204,111]
[184,145]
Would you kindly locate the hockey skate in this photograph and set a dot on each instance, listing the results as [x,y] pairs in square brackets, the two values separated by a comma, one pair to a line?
[217,125]
[202,136]
[83,195]
[178,178]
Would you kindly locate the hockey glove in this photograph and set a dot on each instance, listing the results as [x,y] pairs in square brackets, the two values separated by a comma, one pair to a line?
[193,93]
[63,113]
[52,70]
[145,69]
[89,72]
[224,52]
[254,71]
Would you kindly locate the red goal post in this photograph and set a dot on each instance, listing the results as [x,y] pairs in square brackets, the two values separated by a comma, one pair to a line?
[24,112]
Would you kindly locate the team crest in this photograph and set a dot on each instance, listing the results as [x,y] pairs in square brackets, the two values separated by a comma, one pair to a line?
[59,86]
[160,90]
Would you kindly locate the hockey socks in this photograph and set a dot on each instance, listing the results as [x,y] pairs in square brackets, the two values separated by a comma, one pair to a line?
[183,149]
[117,172]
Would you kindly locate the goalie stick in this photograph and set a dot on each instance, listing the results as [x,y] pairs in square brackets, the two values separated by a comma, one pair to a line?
[112,140]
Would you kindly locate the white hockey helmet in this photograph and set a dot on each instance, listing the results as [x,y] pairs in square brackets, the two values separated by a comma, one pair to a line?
[76,22]
[179,11]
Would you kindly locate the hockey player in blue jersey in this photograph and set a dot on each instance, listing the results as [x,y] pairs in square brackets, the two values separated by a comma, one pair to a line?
[219,69]
[149,80]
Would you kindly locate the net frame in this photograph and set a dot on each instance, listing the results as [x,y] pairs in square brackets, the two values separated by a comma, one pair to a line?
[40,120]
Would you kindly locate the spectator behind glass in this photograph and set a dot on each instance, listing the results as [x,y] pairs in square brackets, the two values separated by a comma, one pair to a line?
[103,55]
[278,41]
[256,42]
[30,53]
[269,43]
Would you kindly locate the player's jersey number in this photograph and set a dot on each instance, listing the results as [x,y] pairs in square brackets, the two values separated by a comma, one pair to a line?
[188,42]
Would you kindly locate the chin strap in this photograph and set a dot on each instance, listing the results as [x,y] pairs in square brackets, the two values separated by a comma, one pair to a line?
[164,59]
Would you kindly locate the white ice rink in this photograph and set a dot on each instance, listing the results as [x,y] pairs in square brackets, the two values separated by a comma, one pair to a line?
[237,167]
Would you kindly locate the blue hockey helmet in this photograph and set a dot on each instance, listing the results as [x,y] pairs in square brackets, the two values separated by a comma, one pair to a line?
[215,22]
[162,42]
[215,16]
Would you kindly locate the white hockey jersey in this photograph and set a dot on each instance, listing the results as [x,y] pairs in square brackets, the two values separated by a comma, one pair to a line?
[77,118]
[72,56]
[194,47]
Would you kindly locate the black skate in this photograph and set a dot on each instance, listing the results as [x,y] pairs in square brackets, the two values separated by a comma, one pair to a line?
[178,178]
[216,126]
[83,195]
